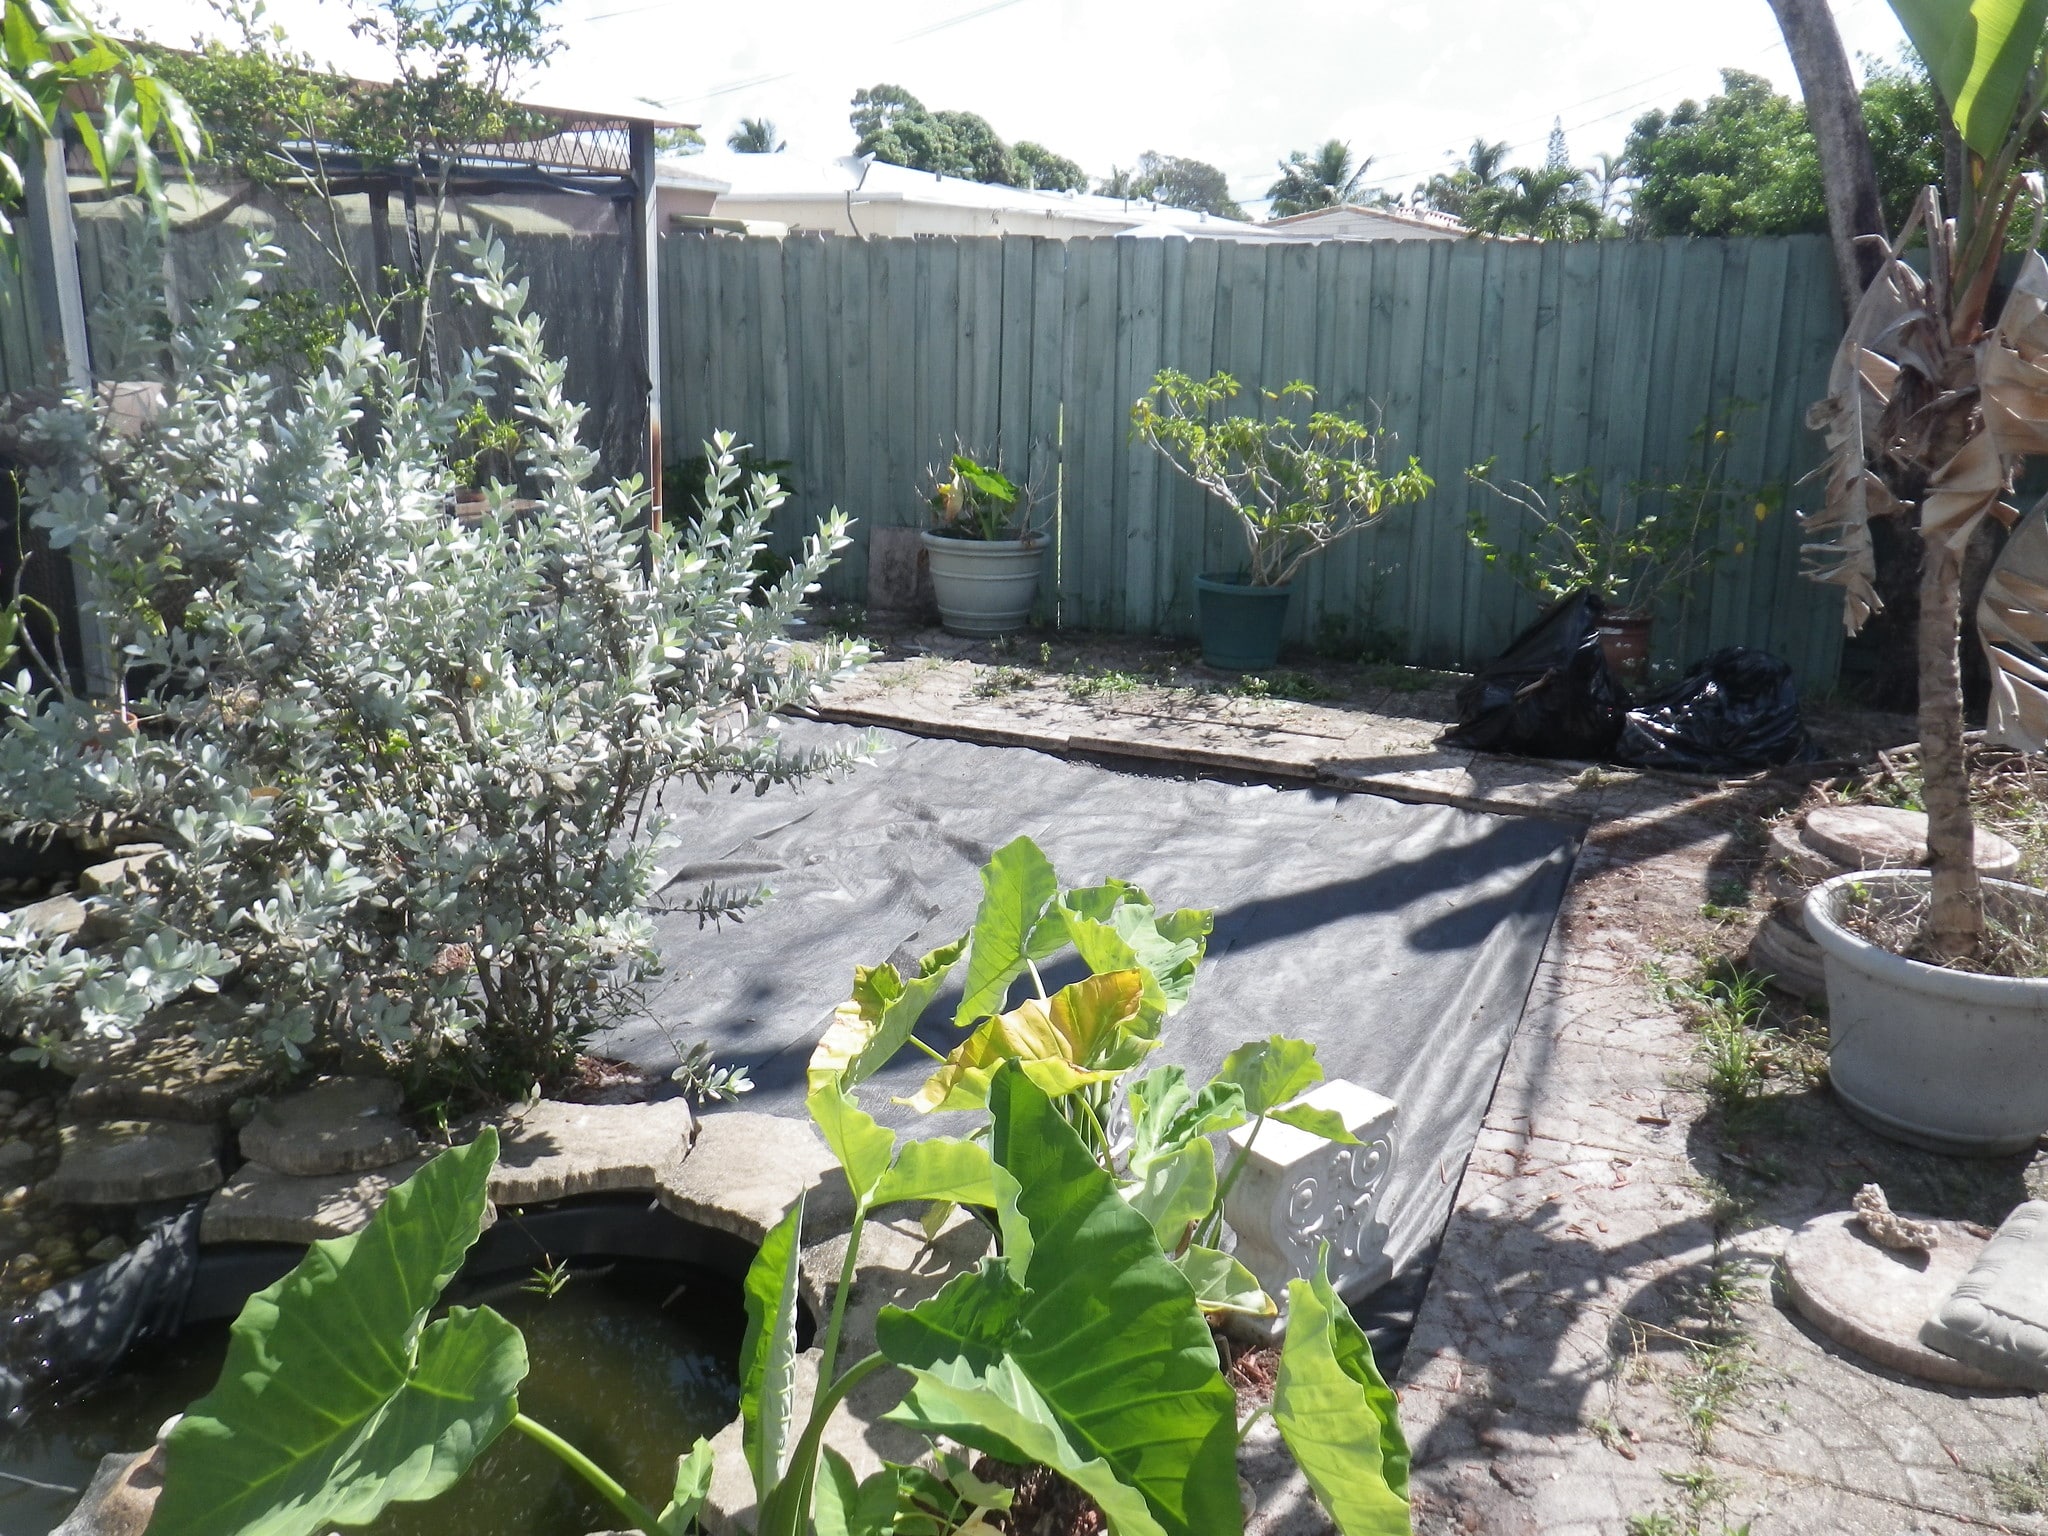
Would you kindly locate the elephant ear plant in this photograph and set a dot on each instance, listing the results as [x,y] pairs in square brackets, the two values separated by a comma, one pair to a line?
[1938,394]
[396,760]
[1080,1345]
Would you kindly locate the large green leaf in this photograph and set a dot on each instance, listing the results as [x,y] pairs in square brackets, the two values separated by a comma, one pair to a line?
[941,1168]
[1166,1114]
[1114,927]
[1980,54]
[1338,1416]
[337,1398]
[848,1507]
[1082,1034]
[1271,1071]
[872,1026]
[1222,1284]
[1017,885]
[996,1409]
[1108,1334]
[693,1487]
[863,1146]
[1176,1192]
[768,1352]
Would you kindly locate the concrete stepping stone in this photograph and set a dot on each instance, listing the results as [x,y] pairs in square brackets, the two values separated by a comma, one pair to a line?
[129,1162]
[1875,1300]
[261,1205]
[341,1125]
[1885,837]
[745,1170]
[169,1078]
[1793,867]
[1782,951]
[554,1149]
[1996,1318]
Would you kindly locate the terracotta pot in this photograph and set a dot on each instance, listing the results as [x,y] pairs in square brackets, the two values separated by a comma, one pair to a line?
[1625,637]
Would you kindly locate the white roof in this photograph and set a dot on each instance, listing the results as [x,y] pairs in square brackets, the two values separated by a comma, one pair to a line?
[1423,218]
[785,178]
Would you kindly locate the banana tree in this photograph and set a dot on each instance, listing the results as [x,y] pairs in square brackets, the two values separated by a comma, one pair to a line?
[1936,397]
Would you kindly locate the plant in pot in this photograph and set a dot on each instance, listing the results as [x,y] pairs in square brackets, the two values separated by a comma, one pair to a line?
[1295,489]
[488,455]
[1580,539]
[983,552]
[1937,999]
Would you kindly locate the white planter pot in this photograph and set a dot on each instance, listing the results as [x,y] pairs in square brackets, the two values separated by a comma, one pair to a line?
[1944,1059]
[985,587]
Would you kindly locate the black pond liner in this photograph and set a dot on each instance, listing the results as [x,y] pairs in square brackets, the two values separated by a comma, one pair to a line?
[121,1324]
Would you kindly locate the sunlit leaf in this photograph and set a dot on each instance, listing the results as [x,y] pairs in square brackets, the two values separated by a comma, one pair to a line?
[1222,1284]
[1018,884]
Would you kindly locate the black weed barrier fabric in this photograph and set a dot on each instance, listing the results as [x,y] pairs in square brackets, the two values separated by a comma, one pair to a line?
[1400,939]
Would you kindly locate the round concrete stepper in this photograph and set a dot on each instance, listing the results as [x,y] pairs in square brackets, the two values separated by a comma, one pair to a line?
[1794,867]
[1782,951]
[1873,1299]
[1885,837]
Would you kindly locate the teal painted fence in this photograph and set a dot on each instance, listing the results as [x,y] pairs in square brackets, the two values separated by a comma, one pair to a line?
[861,361]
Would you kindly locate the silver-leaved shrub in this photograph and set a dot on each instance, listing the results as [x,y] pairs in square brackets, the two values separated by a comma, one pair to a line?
[407,771]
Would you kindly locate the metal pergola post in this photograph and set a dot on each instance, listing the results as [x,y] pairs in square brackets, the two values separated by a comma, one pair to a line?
[646,248]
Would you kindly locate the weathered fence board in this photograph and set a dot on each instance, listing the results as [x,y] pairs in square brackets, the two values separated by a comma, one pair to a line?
[864,361]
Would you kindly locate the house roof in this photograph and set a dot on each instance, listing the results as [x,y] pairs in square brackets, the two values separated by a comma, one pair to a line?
[787,178]
[1421,218]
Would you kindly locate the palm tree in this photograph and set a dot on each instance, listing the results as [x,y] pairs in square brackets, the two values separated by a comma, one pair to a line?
[755,136]
[1319,178]
[1608,178]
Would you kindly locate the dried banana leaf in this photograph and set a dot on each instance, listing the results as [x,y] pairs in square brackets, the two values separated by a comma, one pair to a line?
[1970,484]
[2012,365]
[2012,619]
[1860,386]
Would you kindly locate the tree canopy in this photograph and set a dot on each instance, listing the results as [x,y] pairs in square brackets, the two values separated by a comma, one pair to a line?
[1323,177]
[755,136]
[895,127]
[1744,162]
[1176,182]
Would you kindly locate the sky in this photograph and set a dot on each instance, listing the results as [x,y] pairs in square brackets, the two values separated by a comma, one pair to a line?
[1408,82]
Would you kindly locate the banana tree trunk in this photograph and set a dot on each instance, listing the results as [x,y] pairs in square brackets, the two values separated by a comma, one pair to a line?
[1956,923]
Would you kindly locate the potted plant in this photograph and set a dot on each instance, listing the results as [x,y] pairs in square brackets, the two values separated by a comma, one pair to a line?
[1937,998]
[1295,489]
[1581,540]
[492,457]
[984,554]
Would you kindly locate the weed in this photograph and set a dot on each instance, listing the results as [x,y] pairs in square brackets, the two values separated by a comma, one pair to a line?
[704,1081]
[997,681]
[1727,901]
[1296,686]
[549,1280]
[1103,683]
[847,622]
[1045,653]
[2022,1488]
[1718,1362]
[1408,679]
[1662,1523]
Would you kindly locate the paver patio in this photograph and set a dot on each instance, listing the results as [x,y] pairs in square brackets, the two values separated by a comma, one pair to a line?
[1602,1348]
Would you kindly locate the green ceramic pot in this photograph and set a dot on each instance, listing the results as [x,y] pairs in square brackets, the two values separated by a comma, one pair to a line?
[1241,624]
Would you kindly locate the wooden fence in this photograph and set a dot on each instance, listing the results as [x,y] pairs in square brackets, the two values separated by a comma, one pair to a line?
[862,361]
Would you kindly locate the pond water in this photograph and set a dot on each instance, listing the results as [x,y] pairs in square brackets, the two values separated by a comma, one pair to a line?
[631,1361]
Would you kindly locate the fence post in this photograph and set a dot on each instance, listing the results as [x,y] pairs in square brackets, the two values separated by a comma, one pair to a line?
[644,243]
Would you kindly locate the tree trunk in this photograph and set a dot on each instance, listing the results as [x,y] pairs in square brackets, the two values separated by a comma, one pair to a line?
[1956,923]
[1848,170]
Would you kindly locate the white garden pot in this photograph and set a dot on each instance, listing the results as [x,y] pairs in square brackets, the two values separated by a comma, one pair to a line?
[985,586]
[1944,1059]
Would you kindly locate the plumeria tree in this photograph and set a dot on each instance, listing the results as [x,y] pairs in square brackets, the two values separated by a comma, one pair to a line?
[1938,395]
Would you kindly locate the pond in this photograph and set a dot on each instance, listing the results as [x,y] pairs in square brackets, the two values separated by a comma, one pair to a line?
[632,1359]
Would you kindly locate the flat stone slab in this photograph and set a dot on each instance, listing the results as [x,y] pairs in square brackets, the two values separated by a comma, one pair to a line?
[1795,866]
[261,1205]
[128,1162]
[1874,1300]
[342,1125]
[54,917]
[170,1078]
[553,1149]
[746,1170]
[122,1496]
[1996,1318]
[1886,837]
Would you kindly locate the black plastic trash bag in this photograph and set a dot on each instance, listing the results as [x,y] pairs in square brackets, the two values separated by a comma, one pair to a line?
[1551,693]
[1735,712]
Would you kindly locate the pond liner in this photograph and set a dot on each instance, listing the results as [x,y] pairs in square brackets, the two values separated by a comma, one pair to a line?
[77,1334]
[74,1334]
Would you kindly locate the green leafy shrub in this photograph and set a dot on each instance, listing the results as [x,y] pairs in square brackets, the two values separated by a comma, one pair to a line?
[972,500]
[1295,488]
[395,761]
